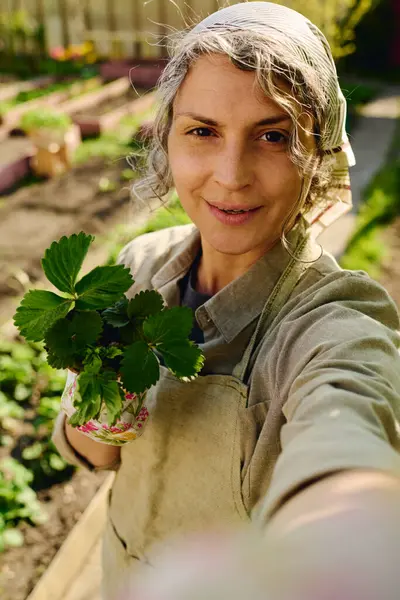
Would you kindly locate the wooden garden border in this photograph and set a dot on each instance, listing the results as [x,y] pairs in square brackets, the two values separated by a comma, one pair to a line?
[11,119]
[75,552]
[110,90]
[10,90]
[12,173]
[107,122]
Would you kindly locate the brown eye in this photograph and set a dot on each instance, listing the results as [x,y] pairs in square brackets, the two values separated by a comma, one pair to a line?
[274,137]
[201,132]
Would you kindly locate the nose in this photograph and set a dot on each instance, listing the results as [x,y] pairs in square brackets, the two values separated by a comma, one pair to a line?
[232,168]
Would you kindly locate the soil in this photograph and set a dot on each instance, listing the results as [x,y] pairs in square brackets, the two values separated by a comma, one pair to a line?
[30,219]
[110,104]
[64,503]
[35,215]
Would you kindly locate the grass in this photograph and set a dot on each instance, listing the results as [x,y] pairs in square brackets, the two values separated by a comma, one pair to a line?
[366,249]
[114,144]
[105,146]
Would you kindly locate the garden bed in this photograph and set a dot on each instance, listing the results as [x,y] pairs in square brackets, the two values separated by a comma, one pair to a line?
[92,99]
[30,219]
[15,160]
[11,88]
[36,484]
[142,73]
[21,568]
[108,114]
[12,110]
[33,216]
[108,105]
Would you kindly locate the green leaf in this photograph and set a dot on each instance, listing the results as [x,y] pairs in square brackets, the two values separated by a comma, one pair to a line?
[94,390]
[88,403]
[38,311]
[145,304]
[111,398]
[75,419]
[13,538]
[171,325]
[59,345]
[140,368]
[131,333]
[63,260]
[86,327]
[57,463]
[67,338]
[102,287]
[183,358]
[22,392]
[32,452]
[89,388]
[112,352]
[117,315]
[93,363]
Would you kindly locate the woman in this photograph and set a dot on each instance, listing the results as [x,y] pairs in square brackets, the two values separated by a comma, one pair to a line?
[300,391]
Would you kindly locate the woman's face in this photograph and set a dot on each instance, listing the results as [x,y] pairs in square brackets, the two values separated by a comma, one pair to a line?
[228,151]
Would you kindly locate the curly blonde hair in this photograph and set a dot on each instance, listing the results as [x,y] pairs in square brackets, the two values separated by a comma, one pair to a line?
[304,95]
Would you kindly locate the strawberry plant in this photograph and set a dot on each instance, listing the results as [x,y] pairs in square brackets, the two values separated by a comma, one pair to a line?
[115,344]
[18,502]
[30,393]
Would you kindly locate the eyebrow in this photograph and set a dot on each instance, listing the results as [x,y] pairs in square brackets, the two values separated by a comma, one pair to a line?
[274,120]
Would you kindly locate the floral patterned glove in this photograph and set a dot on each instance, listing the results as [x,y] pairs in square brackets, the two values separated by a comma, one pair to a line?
[129,427]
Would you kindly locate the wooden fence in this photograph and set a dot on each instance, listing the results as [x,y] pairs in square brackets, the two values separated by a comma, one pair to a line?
[117,28]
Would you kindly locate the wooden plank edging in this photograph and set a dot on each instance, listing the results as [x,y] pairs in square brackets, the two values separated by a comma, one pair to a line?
[76,550]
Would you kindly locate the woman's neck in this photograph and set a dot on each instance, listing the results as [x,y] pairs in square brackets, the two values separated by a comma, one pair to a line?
[216,269]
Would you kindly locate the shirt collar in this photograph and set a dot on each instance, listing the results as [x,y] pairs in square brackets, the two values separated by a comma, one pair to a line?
[240,302]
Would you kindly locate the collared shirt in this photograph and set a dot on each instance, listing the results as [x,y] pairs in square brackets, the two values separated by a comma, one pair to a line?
[324,381]
[193,299]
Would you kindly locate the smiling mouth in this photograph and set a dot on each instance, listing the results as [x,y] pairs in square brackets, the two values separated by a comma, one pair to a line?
[235,211]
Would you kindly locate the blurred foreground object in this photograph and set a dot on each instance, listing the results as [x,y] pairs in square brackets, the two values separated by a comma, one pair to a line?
[339,539]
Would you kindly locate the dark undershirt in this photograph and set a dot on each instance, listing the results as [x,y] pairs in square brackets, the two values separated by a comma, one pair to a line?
[192,298]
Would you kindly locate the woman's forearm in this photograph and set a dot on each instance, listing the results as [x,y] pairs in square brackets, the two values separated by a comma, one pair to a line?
[347,491]
[98,454]
[340,535]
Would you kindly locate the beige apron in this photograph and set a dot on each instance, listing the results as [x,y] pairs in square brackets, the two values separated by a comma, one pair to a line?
[184,473]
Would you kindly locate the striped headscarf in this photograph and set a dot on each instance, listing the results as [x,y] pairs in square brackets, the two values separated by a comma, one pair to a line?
[312,48]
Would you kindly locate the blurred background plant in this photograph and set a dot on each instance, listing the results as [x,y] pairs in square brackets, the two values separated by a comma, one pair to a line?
[338,20]
[30,393]
[68,35]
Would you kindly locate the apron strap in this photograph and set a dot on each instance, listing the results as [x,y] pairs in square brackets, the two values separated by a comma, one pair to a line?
[276,300]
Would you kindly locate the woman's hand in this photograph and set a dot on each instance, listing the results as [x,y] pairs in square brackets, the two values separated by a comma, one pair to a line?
[129,425]
[97,454]
[73,370]
[339,539]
